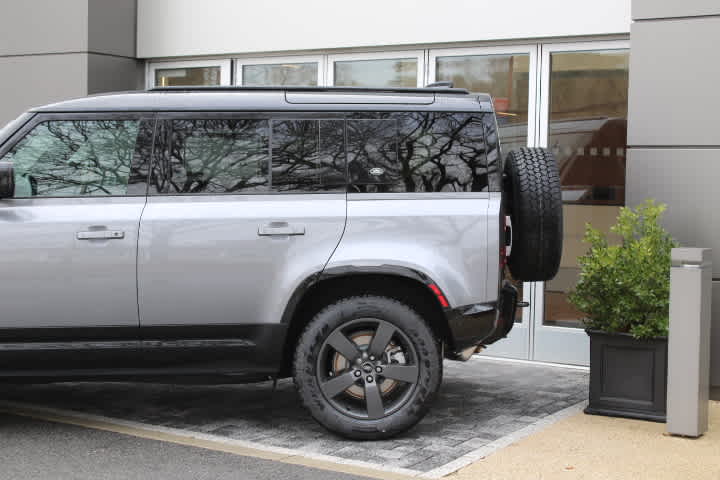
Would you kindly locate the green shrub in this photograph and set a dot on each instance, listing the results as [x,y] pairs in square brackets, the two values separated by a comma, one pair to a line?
[626,288]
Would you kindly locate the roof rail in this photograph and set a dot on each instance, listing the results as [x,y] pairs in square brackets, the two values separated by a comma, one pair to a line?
[233,88]
[443,84]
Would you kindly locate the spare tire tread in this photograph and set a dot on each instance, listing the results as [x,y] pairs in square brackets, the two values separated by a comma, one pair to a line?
[536,213]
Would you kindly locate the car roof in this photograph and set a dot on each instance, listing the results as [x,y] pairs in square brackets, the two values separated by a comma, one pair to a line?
[278,99]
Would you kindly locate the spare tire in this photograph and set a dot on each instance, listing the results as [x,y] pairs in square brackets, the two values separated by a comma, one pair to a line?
[534,202]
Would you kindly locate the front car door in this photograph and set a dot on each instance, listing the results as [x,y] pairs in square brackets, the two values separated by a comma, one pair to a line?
[242,208]
[68,242]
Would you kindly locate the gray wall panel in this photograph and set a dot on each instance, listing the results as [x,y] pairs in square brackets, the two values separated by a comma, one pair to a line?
[112,74]
[111,27]
[644,9]
[40,79]
[685,179]
[674,80]
[43,26]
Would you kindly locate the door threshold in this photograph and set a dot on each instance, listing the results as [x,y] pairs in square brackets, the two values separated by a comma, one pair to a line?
[531,362]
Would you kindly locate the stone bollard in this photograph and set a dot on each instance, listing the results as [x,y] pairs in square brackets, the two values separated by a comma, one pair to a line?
[689,341]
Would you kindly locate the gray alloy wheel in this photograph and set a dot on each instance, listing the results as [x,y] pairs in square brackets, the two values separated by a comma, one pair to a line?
[367,367]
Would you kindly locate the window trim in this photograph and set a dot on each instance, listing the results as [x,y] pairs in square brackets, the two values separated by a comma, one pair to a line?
[318,59]
[419,55]
[224,65]
[39,118]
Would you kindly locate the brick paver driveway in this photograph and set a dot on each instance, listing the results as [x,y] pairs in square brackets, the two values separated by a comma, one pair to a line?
[480,401]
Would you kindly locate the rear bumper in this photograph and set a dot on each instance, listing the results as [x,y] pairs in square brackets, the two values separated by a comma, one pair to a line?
[482,323]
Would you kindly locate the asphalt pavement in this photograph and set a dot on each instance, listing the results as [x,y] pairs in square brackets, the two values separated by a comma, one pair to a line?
[35,449]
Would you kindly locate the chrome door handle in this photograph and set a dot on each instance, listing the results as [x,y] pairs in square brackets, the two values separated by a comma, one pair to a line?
[100,234]
[280,228]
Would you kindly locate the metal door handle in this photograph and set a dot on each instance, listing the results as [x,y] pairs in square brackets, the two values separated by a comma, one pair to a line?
[100,234]
[280,228]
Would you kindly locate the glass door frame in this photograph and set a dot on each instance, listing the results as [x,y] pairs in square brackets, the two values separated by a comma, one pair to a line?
[552,343]
[518,343]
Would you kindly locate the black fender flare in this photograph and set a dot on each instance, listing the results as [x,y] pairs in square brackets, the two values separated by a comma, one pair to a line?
[345,271]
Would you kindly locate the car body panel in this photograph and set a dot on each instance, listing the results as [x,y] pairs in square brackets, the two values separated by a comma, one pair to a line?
[202,261]
[440,235]
[53,279]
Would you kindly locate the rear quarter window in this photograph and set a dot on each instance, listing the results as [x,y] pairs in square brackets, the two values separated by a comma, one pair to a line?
[417,152]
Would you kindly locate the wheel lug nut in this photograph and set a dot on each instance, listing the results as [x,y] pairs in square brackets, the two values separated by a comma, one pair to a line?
[369,379]
[357,373]
[378,369]
[372,358]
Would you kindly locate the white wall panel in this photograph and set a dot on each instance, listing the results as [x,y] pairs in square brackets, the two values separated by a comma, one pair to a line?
[168,28]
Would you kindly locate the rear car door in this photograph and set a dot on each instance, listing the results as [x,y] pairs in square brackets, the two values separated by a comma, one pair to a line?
[68,240]
[242,208]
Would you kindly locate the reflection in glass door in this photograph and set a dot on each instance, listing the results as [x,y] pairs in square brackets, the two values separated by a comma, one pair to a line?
[508,74]
[583,121]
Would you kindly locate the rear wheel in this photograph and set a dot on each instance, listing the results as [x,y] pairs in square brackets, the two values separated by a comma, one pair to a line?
[367,367]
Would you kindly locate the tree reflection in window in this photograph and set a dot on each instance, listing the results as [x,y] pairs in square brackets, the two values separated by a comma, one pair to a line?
[74,158]
[214,156]
[308,155]
[417,152]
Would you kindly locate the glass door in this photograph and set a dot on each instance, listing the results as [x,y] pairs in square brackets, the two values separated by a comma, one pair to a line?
[583,121]
[509,74]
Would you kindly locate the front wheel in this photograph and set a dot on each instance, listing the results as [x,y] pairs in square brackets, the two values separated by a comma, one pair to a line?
[367,367]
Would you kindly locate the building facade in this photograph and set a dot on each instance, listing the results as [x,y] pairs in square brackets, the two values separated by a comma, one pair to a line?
[561,73]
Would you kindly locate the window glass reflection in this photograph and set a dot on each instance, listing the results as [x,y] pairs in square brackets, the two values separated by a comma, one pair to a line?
[401,72]
[74,158]
[587,134]
[214,156]
[505,78]
[417,152]
[174,77]
[308,155]
[299,74]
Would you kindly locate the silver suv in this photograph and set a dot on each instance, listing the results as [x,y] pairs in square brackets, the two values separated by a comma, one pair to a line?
[350,238]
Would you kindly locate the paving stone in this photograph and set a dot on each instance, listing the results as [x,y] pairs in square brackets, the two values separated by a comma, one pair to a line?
[479,402]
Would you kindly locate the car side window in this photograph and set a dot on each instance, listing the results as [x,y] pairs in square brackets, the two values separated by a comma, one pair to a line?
[417,152]
[213,156]
[69,158]
[308,155]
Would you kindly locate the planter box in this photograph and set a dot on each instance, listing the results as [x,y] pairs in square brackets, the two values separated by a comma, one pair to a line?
[628,377]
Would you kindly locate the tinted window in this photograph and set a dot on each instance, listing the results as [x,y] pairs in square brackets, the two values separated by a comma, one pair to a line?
[308,155]
[75,158]
[213,156]
[417,152]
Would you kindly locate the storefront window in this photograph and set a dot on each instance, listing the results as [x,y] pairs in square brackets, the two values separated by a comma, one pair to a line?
[587,132]
[397,72]
[172,77]
[299,74]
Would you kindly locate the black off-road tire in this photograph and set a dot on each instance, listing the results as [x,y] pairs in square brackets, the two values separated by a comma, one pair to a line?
[333,319]
[535,206]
